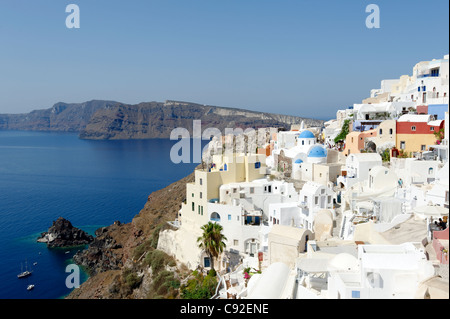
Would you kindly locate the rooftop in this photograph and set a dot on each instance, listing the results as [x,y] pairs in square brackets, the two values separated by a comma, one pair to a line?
[317,151]
[415,118]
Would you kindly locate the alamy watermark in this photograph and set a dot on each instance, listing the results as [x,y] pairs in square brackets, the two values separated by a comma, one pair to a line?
[73,280]
[73,19]
[373,20]
[231,141]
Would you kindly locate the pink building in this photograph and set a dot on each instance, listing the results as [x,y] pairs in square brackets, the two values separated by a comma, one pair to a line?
[355,141]
[440,245]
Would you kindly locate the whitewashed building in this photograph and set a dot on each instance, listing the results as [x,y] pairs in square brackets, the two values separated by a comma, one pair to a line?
[357,168]
[313,198]
[379,272]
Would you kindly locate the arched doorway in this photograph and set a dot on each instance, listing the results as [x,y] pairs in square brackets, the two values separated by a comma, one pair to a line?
[215,217]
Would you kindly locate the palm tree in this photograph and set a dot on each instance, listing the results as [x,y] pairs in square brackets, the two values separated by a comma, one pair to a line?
[212,241]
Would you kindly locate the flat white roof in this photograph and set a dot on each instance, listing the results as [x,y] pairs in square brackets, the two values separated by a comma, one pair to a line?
[366,157]
[435,123]
[415,118]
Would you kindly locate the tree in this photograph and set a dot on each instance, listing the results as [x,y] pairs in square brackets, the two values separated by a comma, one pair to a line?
[344,132]
[212,241]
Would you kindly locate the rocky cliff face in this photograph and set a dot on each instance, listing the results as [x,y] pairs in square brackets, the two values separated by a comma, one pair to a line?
[157,120]
[113,251]
[62,117]
[63,234]
[113,120]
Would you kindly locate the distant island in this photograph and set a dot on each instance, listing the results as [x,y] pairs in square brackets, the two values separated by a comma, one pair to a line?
[110,120]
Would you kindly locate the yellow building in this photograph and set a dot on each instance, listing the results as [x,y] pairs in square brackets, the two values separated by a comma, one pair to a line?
[415,133]
[224,170]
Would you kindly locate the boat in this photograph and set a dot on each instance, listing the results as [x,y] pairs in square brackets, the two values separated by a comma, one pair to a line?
[30,287]
[25,273]
[35,263]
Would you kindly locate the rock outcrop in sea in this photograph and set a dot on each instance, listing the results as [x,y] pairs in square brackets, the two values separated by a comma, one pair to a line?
[62,234]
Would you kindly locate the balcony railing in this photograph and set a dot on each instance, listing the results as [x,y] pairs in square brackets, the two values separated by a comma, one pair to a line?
[430,75]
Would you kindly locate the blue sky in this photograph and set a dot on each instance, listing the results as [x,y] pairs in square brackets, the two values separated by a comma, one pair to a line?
[296,57]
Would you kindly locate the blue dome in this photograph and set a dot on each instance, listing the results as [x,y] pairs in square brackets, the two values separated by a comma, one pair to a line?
[317,151]
[299,161]
[306,134]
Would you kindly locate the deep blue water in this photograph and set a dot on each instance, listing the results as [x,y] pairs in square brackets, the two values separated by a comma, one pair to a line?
[92,183]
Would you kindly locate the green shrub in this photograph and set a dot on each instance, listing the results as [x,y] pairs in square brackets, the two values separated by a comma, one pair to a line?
[131,279]
[141,249]
[199,286]
[157,260]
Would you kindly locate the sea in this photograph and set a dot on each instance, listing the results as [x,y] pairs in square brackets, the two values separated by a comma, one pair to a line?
[47,175]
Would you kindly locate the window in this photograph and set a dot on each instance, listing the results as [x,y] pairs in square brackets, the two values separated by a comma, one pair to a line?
[192,194]
[252,190]
[215,217]
[423,147]
[257,165]
[316,200]
[201,195]
[391,131]
[402,145]
[206,262]
[235,242]
[431,128]
[430,171]
[356,294]
[381,131]
[193,206]
[413,128]
[229,217]
[269,188]
[201,181]
[435,72]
